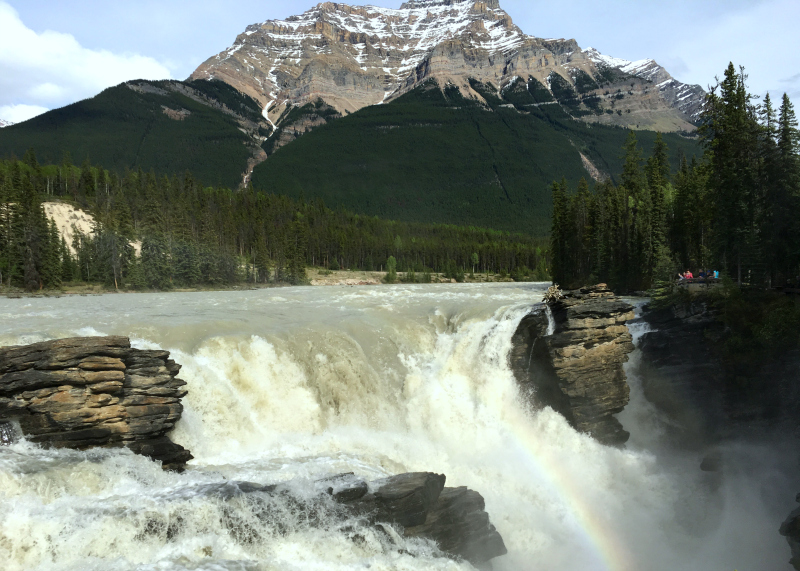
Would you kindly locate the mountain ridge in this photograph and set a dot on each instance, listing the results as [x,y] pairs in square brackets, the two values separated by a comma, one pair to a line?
[356,56]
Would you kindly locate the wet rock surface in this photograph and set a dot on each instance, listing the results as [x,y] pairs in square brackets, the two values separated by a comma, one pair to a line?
[577,367]
[93,391]
[415,505]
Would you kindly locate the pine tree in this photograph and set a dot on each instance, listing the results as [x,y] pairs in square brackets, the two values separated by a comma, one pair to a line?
[658,177]
[730,133]
[51,257]
[788,183]
[68,268]
[87,180]
[155,263]
[559,267]
[391,270]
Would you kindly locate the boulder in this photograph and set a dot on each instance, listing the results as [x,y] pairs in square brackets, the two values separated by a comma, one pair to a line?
[414,505]
[572,360]
[93,391]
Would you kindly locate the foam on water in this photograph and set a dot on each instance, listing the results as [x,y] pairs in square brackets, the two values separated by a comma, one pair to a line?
[313,382]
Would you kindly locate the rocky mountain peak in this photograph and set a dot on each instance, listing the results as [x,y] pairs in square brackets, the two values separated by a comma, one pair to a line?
[417,4]
[4,123]
[355,56]
[686,98]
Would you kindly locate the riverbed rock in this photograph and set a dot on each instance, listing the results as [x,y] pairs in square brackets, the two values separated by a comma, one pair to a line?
[414,505]
[577,366]
[94,391]
[421,505]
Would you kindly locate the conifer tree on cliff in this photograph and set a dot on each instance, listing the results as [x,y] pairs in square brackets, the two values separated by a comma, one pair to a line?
[730,134]
[637,261]
[789,183]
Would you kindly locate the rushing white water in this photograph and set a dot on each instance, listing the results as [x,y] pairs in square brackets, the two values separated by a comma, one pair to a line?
[295,384]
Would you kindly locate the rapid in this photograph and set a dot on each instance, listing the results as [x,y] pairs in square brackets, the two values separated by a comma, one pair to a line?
[295,384]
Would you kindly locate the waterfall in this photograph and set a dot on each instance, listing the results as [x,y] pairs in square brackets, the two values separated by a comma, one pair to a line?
[8,435]
[296,384]
[551,322]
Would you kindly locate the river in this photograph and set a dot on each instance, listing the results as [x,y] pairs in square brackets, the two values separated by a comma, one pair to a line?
[296,384]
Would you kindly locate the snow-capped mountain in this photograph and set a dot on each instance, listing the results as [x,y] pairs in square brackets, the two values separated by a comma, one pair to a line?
[687,98]
[4,123]
[352,57]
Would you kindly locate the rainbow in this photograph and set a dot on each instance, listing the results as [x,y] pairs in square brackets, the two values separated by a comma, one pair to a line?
[597,532]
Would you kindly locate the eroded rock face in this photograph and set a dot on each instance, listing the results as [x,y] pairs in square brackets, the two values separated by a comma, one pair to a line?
[577,367]
[94,391]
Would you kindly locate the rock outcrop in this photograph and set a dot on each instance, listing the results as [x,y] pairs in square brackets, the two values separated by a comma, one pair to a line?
[572,360]
[707,400]
[790,529]
[93,391]
[415,505]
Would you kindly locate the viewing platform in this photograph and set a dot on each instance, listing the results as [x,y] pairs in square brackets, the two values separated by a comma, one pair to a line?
[696,285]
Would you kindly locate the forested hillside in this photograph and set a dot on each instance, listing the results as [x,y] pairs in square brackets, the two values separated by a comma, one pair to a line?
[735,210]
[194,235]
[434,156]
[166,126]
[430,156]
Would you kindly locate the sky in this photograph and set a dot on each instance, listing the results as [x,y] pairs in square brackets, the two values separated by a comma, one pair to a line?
[56,52]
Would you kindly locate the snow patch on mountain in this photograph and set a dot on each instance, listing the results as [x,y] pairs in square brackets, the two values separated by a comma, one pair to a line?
[392,42]
[687,98]
[4,123]
[355,56]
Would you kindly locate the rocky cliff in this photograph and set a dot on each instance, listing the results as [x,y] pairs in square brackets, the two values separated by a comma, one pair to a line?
[572,360]
[706,399]
[355,56]
[687,378]
[93,391]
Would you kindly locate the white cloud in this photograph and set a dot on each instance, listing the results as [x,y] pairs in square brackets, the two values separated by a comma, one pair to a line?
[20,113]
[40,71]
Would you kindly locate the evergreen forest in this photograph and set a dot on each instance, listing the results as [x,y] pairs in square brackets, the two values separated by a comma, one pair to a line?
[190,235]
[734,210]
[433,155]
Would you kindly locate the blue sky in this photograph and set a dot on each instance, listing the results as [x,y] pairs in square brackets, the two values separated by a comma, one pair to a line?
[55,52]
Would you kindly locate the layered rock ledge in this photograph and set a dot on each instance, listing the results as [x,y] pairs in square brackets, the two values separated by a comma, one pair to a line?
[93,391]
[415,505]
[572,360]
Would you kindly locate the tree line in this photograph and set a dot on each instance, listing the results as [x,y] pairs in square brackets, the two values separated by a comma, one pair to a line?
[735,210]
[189,235]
